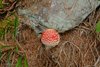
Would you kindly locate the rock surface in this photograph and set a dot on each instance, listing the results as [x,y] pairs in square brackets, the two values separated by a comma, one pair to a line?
[61,15]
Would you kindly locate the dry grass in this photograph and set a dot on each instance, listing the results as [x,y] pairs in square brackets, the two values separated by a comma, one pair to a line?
[79,47]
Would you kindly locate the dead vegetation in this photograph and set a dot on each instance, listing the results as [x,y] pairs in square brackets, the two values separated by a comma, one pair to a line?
[79,47]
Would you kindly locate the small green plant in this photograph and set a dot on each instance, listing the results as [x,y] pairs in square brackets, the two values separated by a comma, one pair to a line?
[9,52]
[19,62]
[16,23]
[25,62]
[6,26]
[98,26]
[9,25]
[1,5]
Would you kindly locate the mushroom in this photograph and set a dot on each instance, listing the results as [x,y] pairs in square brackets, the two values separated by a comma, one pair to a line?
[50,38]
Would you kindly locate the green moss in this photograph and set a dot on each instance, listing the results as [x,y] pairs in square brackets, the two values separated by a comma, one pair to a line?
[6,26]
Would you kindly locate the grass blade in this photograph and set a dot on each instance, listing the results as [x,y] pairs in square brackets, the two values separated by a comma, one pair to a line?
[16,23]
[0,53]
[2,47]
[98,26]
[8,60]
[16,49]
[19,62]
[25,62]
[6,48]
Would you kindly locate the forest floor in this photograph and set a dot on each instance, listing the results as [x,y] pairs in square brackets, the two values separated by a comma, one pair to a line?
[20,46]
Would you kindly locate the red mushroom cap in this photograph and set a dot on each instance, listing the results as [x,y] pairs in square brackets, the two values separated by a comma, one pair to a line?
[50,37]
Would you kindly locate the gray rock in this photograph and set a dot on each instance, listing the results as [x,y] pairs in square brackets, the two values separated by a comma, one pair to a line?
[61,15]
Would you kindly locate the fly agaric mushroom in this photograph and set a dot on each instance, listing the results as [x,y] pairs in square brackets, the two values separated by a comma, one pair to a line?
[50,38]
